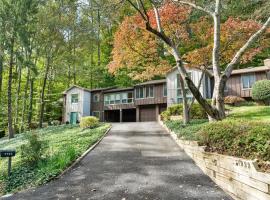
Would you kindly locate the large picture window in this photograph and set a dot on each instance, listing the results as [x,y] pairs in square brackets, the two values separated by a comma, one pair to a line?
[74,98]
[118,98]
[248,80]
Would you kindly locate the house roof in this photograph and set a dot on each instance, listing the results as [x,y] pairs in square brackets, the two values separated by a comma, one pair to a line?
[118,89]
[152,82]
[208,70]
[102,89]
[251,69]
[76,86]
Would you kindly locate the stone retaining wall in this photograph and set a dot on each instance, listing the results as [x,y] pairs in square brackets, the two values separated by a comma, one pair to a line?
[238,177]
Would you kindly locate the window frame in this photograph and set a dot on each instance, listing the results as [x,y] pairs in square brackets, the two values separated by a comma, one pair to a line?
[249,80]
[72,101]
[165,90]
[98,98]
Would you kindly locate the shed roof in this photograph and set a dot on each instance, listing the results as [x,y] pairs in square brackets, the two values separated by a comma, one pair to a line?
[76,86]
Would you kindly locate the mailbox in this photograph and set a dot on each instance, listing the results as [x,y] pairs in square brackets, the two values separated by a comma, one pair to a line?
[7,153]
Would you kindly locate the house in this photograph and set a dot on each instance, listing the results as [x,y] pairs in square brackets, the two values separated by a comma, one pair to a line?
[241,80]
[174,94]
[145,101]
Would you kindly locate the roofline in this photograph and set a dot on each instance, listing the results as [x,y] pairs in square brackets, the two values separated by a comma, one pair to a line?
[152,82]
[73,86]
[119,90]
[250,70]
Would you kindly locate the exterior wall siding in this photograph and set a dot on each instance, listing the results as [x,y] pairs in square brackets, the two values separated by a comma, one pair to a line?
[157,99]
[234,85]
[74,107]
[171,80]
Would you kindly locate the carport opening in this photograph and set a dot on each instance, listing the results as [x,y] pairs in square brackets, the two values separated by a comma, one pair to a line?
[112,115]
[129,115]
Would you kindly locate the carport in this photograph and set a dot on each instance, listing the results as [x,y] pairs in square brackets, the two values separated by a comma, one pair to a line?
[121,115]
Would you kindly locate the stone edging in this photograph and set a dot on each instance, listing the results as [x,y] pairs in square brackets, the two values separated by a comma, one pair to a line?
[92,147]
[238,177]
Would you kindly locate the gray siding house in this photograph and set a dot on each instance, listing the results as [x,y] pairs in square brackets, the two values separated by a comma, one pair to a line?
[145,101]
[174,94]
[76,104]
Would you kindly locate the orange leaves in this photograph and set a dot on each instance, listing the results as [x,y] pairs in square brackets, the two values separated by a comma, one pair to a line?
[137,49]
[234,34]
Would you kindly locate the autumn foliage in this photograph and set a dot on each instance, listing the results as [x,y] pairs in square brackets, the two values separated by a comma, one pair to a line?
[145,55]
[137,49]
[234,34]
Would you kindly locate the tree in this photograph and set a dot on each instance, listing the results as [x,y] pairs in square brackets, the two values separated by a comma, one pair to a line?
[216,110]
[221,78]
[135,47]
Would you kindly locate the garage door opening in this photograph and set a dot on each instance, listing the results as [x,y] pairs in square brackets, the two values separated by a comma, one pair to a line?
[112,115]
[148,113]
[129,115]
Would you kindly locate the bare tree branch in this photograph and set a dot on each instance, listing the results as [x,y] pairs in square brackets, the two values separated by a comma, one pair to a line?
[194,6]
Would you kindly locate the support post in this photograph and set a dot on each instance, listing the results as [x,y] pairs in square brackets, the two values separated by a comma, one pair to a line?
[157,111]
[121,115]
[9,166]
[137,114]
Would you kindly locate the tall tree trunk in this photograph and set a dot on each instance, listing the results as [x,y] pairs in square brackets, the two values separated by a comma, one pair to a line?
[42,98]
[24,99]
[98,41]
[18,95]
[30,111]
[1,85]
[9,92]
[218,98]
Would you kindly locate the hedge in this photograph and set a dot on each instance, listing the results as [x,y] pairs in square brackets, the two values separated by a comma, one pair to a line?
[261,91]
[240,138]
[196,112]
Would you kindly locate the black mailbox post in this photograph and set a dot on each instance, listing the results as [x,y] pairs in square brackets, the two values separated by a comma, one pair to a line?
[8,154]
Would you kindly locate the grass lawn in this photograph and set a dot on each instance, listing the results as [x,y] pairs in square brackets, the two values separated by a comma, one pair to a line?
[64,144]
[261,113]
[249,112]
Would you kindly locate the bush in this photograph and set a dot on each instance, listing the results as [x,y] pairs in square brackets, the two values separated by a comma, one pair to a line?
[89,122]
[234,100]
[261,91]
[237,138]
[2,133]
[196,112]
[32,151]
[55,123]
[186,132]
[33,125]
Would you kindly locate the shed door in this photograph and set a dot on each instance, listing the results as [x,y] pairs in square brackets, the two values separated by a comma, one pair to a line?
[148,113]
[73,117]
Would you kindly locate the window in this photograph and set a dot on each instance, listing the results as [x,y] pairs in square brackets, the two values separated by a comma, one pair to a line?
[124,98]
[74,98]
[112,98]
[247,81]
[96,98]
[165,90]
[140,93]
[96,114]
[149,91]
[130,97]
[117,98]
[107,99]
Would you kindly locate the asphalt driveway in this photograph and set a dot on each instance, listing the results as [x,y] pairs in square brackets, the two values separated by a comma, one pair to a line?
[135,161]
